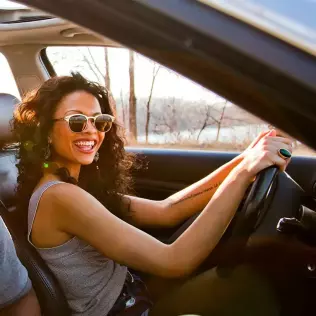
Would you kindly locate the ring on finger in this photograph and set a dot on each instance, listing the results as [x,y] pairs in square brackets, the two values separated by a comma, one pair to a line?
[284,153]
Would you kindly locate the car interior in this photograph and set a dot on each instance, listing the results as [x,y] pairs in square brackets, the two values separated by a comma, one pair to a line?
[275,226]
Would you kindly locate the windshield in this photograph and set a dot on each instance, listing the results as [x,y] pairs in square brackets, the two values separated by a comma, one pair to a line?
[290,20]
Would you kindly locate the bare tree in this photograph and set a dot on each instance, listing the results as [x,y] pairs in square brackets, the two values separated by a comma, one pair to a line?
[219,122]
[213,116]
[100,76]
[123,105]
[206,120]
[107,69]
[93,65]
[132,99]
[167,121]
[107,79]
[155,73]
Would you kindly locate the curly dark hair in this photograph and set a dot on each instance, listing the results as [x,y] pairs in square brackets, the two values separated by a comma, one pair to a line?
[31,124]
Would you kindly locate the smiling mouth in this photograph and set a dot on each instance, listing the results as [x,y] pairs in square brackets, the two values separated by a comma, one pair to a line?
[85,146]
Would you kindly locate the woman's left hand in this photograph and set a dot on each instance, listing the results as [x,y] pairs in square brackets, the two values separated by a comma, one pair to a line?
[273,134]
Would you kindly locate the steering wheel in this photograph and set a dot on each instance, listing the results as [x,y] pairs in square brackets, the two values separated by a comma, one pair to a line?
[251,213]
[253,209]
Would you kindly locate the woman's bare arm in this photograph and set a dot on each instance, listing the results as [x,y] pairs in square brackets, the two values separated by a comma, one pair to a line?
[86,218]
[187,202]
[179,206]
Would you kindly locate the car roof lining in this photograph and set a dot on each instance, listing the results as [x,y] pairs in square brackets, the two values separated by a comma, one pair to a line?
[54,31]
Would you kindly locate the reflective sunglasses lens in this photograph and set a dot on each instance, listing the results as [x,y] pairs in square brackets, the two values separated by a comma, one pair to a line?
[77,123]
[103,123]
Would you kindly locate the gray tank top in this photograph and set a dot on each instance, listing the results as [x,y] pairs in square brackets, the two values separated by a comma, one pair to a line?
[90,281]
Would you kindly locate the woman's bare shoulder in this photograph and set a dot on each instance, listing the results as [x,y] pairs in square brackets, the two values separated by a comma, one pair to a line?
[51,212]
[67,204]
[63,191]
[69,198]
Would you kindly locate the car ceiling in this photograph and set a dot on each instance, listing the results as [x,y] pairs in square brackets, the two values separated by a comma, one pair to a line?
[260,73]
[54,32]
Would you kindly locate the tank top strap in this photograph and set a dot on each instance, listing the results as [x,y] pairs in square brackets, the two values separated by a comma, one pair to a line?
[34,202]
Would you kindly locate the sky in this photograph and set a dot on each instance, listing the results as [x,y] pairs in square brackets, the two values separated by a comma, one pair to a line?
[300,11]
[303,11]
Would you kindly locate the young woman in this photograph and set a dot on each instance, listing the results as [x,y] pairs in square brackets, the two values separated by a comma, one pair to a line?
[74,180]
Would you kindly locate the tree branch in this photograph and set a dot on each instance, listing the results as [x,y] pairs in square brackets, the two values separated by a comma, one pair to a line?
[85,59]
[155,73]
[94,63]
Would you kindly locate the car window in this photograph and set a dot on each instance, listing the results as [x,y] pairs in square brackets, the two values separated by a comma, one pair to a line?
[290,20]
[162,109]
[8,84]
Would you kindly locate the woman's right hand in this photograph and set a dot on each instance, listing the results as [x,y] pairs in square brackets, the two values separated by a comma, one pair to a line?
[265,154]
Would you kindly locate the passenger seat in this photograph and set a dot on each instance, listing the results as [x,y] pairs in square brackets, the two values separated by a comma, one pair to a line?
[48,291]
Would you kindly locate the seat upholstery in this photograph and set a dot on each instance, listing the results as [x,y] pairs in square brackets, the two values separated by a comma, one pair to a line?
[50,295]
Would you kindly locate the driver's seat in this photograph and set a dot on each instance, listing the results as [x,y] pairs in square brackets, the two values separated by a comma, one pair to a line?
[48,291]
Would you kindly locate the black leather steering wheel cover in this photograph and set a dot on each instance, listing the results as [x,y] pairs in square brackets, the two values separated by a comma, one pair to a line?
[249,217]
[250,211]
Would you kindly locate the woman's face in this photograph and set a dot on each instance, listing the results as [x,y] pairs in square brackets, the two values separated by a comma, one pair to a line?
[71,148]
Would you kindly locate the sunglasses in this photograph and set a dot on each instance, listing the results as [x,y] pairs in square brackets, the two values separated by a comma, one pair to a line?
[78,122]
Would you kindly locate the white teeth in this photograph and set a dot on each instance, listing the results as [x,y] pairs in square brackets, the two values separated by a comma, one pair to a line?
[85,143]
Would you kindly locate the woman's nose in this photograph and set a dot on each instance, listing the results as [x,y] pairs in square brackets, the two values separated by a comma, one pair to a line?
[90,126]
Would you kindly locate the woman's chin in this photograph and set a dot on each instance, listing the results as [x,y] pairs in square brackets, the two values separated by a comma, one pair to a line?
[85,160]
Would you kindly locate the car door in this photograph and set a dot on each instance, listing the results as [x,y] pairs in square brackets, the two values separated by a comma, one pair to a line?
[171,170]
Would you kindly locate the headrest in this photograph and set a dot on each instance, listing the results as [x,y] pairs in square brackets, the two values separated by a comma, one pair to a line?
[7,106]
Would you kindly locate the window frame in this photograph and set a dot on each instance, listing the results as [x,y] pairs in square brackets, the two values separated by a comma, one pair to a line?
[46,62]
